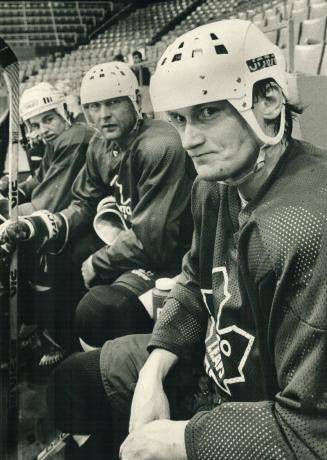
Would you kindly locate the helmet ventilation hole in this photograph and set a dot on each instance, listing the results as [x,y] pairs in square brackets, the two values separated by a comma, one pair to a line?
[177,57]
[221,49]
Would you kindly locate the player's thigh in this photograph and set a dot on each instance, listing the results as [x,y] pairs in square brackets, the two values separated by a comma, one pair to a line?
[120,362]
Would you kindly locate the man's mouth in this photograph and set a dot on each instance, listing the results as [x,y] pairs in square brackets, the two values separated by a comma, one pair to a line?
[109,126]
[50,137]
[198,155]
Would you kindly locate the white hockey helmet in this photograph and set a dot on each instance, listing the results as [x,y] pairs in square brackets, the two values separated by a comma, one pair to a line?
[41,98]
[219,61]
[108,81]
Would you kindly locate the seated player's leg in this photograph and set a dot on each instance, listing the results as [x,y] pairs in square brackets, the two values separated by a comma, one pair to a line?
[78,399]
[107,312]
[91,393]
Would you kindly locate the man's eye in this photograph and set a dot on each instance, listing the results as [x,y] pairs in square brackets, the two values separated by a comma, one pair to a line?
[112,102]
[208,112]
[93,106]
[176,119]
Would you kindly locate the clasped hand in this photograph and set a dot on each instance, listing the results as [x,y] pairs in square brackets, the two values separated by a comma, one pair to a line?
[158,440]
[152,435]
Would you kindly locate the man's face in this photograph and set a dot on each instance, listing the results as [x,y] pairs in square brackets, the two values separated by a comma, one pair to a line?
[48,125]
[137,59]
[217,139]
[115,118]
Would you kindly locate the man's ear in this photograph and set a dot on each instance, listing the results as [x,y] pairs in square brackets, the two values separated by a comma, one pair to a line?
[269,105]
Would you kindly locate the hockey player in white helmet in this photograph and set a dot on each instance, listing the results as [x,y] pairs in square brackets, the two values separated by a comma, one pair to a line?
[44,110]
[237,365]
[44,113]
[135,169]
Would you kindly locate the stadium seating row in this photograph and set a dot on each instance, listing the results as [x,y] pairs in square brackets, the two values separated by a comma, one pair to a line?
[19,21]
[139,29]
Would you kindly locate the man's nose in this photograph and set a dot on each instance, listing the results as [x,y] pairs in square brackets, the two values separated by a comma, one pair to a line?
[44,129]
[192,137]
[105,111]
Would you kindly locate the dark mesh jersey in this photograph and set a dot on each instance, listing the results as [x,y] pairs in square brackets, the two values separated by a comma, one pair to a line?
[254,289]
[151,185]
[50,187]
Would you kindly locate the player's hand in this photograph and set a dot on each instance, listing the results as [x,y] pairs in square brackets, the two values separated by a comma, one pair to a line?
[12,232]
[159,440]
[88,272]
[149,401]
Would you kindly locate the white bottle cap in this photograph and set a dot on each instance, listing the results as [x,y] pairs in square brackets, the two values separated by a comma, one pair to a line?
[165,284]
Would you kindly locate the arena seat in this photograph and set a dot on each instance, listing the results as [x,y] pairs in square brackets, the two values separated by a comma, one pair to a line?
[57,18]
[312,30]
[299,4]
[323,65]
[299,15]
[318,10]
[307,58]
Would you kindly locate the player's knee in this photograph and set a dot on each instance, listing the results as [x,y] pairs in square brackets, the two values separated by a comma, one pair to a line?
[122,359]
[107,312]
[85,317]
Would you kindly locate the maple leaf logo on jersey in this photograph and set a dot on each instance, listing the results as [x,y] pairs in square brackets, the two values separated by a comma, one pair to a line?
[228,348]
[123,204]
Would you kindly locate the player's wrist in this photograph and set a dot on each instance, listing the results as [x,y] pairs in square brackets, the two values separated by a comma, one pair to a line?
[44,224]
[158,365]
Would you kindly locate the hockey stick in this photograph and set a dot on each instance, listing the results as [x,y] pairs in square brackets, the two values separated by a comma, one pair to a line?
[9,410]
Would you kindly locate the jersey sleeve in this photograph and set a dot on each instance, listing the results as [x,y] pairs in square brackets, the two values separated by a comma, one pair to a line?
[163,187]
[182,324]
[32,182]
[51,186]
[293,423]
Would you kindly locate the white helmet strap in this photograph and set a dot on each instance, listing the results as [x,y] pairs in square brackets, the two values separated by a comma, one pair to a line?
[252,121]
[266,142]
[136,107]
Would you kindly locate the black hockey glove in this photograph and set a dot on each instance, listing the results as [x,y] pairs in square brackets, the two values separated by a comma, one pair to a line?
[41,225]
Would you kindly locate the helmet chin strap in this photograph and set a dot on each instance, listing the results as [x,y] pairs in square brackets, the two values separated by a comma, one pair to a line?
[266,142]
[136,107]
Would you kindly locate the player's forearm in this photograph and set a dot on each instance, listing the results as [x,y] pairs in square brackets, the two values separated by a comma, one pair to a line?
[158,364]
[126,253]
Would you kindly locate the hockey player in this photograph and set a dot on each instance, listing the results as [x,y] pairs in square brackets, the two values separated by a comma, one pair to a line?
[253,290]
[44,112]
[141,166]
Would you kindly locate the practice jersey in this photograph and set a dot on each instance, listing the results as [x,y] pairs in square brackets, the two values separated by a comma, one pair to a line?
[151,187]
[254,290]
[50,187]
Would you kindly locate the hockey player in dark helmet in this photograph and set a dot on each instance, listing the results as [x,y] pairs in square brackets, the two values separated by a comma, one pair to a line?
[136,170]
[236,365]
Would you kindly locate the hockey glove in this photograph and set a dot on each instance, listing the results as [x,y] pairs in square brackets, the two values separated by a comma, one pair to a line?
[108,222]
[42,225]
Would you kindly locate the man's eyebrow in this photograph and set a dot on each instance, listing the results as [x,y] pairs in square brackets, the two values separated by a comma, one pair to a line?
[172,112]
